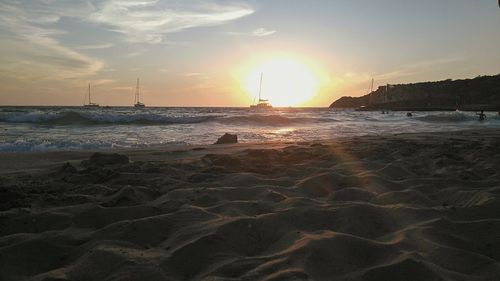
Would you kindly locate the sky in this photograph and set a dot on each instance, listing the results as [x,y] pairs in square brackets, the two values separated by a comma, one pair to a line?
[210,52]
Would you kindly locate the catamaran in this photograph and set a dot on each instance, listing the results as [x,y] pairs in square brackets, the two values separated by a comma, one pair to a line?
[263,103]
[137,103]
[90,104]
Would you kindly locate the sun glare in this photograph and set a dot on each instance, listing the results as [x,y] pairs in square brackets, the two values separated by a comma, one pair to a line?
[286,82]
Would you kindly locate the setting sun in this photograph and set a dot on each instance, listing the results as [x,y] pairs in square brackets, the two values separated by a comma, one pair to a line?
[286,81]
[249,140]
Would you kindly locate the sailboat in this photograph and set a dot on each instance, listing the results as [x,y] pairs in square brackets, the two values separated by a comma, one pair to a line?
[263,103]
[137,103]
[90,104]
[369,94]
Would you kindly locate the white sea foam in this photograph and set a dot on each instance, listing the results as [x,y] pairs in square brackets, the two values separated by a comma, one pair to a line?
[53,129]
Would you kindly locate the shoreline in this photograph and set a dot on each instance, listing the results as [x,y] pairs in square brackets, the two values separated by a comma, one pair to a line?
[391,207]
[10,162]
[59,130]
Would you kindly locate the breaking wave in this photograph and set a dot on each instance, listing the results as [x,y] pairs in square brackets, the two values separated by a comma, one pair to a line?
[81,118]
[447,117]
[84,118]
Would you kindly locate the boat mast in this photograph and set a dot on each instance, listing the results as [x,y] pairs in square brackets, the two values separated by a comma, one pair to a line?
[260,87]
[371,87]
[370,94]
[90,102]
[137,92]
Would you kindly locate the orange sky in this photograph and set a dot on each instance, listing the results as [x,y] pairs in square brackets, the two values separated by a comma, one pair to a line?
[210,53]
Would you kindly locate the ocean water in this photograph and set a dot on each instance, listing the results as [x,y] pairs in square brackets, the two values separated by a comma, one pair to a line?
[25,129]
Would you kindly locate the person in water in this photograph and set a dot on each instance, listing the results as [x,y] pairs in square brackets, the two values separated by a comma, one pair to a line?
[409,114]
[481,115]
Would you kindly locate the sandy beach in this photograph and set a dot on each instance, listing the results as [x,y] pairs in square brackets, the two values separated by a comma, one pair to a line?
[395,207]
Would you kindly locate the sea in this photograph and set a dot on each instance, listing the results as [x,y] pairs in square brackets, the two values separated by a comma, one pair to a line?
[35,129]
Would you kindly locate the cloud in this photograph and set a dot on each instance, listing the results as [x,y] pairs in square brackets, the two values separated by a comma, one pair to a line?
[135,54]
[123,88]
[259,32]
[43,12]
[95,47]
[107,69]
[29,48]
[30,30]
[417,68]
[99,82]
[147,21]
[194,74]
[357,84]
[197,76]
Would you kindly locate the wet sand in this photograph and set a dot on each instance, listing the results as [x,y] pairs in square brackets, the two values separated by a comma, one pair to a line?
[400,207]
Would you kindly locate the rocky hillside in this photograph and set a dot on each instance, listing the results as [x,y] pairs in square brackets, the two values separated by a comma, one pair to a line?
[482,92]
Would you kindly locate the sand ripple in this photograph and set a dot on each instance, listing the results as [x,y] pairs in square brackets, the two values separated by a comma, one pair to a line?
[411,207]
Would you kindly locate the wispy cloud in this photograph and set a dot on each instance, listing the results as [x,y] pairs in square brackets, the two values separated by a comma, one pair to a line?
[135,54]
[147,21]
[107,69]
[175,43]
[259,32]
[102,81]
[194,74]
[356,84]
[31,48]
[31,30]
[123,88]
[197,75]
[95,47]
[417,68]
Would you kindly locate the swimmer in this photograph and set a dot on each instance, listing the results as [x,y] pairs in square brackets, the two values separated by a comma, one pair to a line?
[481,115]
